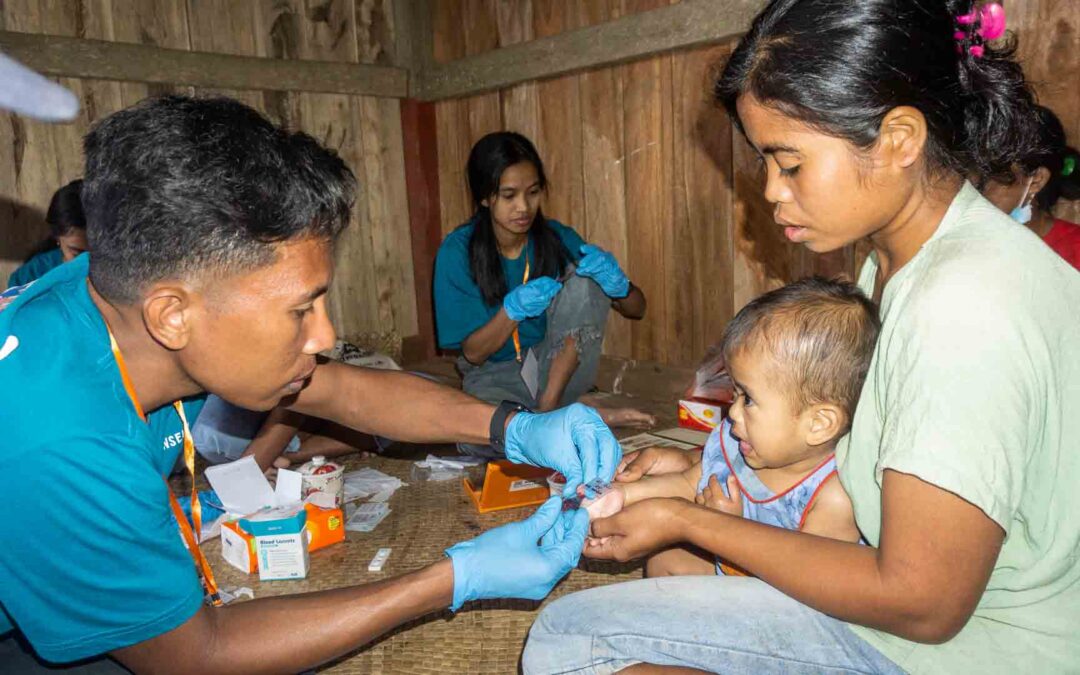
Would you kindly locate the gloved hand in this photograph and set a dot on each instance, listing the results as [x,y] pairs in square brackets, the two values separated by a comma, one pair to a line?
[602,267]
[508,563]
[531,299]
[572,440]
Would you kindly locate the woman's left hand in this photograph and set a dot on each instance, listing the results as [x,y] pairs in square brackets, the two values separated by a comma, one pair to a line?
[602,267]
[637,531]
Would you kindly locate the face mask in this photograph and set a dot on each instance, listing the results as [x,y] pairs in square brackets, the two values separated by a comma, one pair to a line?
[1022,212]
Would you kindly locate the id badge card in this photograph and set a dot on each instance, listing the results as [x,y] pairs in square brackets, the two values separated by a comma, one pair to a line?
[530,373]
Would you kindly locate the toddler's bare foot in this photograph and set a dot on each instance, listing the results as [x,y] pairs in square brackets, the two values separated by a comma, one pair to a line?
[627,417]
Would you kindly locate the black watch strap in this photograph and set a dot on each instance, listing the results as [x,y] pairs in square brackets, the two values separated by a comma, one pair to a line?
[497,429]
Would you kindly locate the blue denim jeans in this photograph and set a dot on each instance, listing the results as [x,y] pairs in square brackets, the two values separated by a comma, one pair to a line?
[580,310]
[713,623]
[223,431]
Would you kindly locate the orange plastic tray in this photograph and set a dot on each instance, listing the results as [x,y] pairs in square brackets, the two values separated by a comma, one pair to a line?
[509,486]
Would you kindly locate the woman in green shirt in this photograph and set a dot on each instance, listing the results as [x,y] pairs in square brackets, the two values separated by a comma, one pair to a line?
[962,460]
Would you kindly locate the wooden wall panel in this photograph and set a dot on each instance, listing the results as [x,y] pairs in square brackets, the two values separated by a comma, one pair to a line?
[647,152]
[520,103]
[30,152]
[452,123]
[604,169]
[703,238]
[559,133]
[374,289]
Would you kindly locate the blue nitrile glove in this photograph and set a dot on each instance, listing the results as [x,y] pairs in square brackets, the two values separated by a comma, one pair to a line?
[572,440]
[507,562]
[531,299]
[602,267]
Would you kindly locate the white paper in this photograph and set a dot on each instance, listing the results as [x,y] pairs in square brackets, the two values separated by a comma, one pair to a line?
[530,373]
[241,486]
[289,486]
[646,440]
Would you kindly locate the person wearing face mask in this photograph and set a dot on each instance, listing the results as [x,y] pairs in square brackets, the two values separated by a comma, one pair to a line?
[523,298]
[1046,175]
[67,235]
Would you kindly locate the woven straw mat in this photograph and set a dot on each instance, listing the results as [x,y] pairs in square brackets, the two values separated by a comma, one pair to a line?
[425,519]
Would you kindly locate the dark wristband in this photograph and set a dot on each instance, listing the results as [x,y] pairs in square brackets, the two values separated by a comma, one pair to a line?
[497,429]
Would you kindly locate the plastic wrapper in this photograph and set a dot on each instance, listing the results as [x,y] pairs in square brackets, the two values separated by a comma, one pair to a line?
[711,381]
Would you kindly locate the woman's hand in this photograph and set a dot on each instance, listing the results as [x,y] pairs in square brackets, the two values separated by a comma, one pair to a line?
[602,267]
[531,299]
[653,461]
[637,530]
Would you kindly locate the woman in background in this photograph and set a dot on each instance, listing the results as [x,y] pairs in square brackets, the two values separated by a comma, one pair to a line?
[523,297]
[1041,178]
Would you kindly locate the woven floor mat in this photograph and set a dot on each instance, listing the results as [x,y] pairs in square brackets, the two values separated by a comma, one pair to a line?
[425,519]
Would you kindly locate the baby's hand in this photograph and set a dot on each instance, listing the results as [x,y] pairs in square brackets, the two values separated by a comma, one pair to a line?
[606,505]
[653,460]
[713,496]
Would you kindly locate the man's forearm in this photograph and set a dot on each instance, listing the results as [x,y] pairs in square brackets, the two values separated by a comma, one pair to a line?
[291,633]
[397,405]
[274,436]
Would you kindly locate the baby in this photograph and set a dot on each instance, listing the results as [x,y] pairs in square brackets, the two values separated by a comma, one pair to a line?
[798,357]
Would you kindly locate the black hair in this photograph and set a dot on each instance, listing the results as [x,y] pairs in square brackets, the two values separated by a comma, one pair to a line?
[65,210]
[176,186]
[489,158]
[1053,152]
[819,335]
[841,65]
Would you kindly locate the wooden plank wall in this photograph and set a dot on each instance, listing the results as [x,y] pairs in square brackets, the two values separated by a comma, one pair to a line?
[373,291]
[643,164]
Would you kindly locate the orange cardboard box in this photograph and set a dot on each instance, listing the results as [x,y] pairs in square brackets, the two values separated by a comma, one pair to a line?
[238,547]
[324,527]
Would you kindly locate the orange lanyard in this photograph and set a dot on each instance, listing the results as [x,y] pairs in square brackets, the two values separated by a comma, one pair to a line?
[517,335]
[190,536]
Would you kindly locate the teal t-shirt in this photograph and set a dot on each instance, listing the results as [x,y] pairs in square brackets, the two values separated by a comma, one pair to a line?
[459,307]
[974,387]
[36,267]
[92,560]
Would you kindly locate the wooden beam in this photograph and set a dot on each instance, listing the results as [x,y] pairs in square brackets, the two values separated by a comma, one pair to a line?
[418,131]
[687,24]
[127,62]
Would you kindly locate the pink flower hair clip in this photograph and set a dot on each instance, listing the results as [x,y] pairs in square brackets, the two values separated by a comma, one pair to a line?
[982,25]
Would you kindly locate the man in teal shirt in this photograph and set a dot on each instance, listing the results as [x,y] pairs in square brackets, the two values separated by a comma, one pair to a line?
[211,237]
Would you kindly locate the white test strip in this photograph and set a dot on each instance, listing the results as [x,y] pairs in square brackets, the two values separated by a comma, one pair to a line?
[379,560]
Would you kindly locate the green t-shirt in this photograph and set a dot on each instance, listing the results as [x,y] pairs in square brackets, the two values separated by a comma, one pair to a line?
[975,388]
